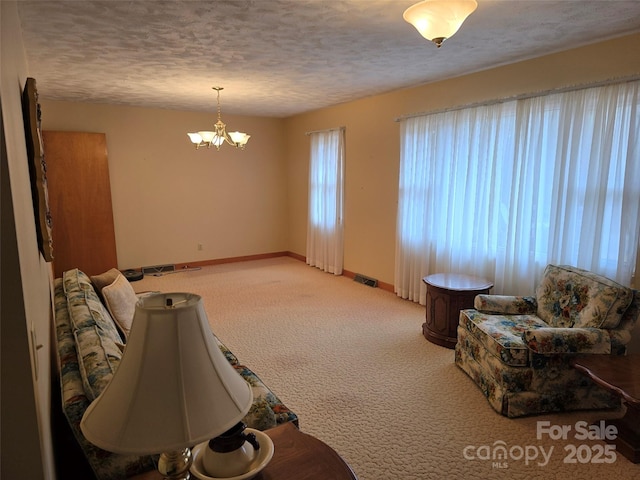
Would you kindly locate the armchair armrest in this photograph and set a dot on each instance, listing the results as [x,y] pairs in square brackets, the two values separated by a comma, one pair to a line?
[505,304]
[552,340]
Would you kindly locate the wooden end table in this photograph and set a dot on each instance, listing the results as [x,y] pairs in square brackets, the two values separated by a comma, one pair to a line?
[447,294]
[296,455]
[621,376]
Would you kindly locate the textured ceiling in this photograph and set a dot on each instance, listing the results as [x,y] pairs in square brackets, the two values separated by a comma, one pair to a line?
[283,57]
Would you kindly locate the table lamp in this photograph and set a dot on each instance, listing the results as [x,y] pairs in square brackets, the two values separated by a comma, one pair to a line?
[173,389]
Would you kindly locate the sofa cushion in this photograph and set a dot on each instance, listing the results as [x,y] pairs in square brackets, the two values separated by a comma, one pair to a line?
[71,383]
[121,299]
[572,297]
[229,355]
[85,308]
[267,410]
[99,357]
[488,365]
[501,335]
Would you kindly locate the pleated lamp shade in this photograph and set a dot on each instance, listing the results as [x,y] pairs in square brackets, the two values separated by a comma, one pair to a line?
[173,389]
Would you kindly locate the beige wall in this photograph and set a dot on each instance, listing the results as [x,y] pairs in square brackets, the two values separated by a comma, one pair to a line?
[25,308]
[372,140]
[169,197]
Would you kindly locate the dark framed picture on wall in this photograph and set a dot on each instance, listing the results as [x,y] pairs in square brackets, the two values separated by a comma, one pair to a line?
[37,167]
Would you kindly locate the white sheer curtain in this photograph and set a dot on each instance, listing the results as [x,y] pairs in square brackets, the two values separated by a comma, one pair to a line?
[326,198]
[502,190]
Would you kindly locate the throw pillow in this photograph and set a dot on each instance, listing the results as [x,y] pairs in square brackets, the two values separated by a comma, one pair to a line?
[104,279]
[121,302]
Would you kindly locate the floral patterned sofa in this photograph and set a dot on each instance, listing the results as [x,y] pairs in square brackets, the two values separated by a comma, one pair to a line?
[518,349]
[89,348]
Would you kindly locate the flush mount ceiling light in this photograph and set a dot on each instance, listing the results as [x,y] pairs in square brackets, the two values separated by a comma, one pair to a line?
[219,135]
[437,20]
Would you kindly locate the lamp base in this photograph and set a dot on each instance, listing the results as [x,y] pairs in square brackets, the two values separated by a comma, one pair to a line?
[175,465]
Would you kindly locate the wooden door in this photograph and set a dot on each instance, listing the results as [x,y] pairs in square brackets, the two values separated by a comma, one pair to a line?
[80,202]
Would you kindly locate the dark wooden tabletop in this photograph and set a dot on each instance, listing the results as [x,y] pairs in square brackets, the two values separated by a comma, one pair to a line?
[457,281]
[302,457]
[297,455]
[619,374]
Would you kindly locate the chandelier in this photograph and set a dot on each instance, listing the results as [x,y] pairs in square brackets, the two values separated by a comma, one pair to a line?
[437,20]
[219,135]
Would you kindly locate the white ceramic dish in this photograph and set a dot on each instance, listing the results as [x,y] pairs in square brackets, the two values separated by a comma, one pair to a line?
[262,459]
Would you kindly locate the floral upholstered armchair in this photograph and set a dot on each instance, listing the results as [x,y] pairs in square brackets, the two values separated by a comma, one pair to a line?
[518,349]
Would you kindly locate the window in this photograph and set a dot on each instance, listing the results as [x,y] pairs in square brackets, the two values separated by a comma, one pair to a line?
[326,198]
[502,190]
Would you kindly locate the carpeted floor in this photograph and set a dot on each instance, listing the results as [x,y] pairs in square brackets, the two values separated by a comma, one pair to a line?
[351,361]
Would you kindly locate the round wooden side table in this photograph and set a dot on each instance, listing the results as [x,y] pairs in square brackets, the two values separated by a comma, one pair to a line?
[447,294]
